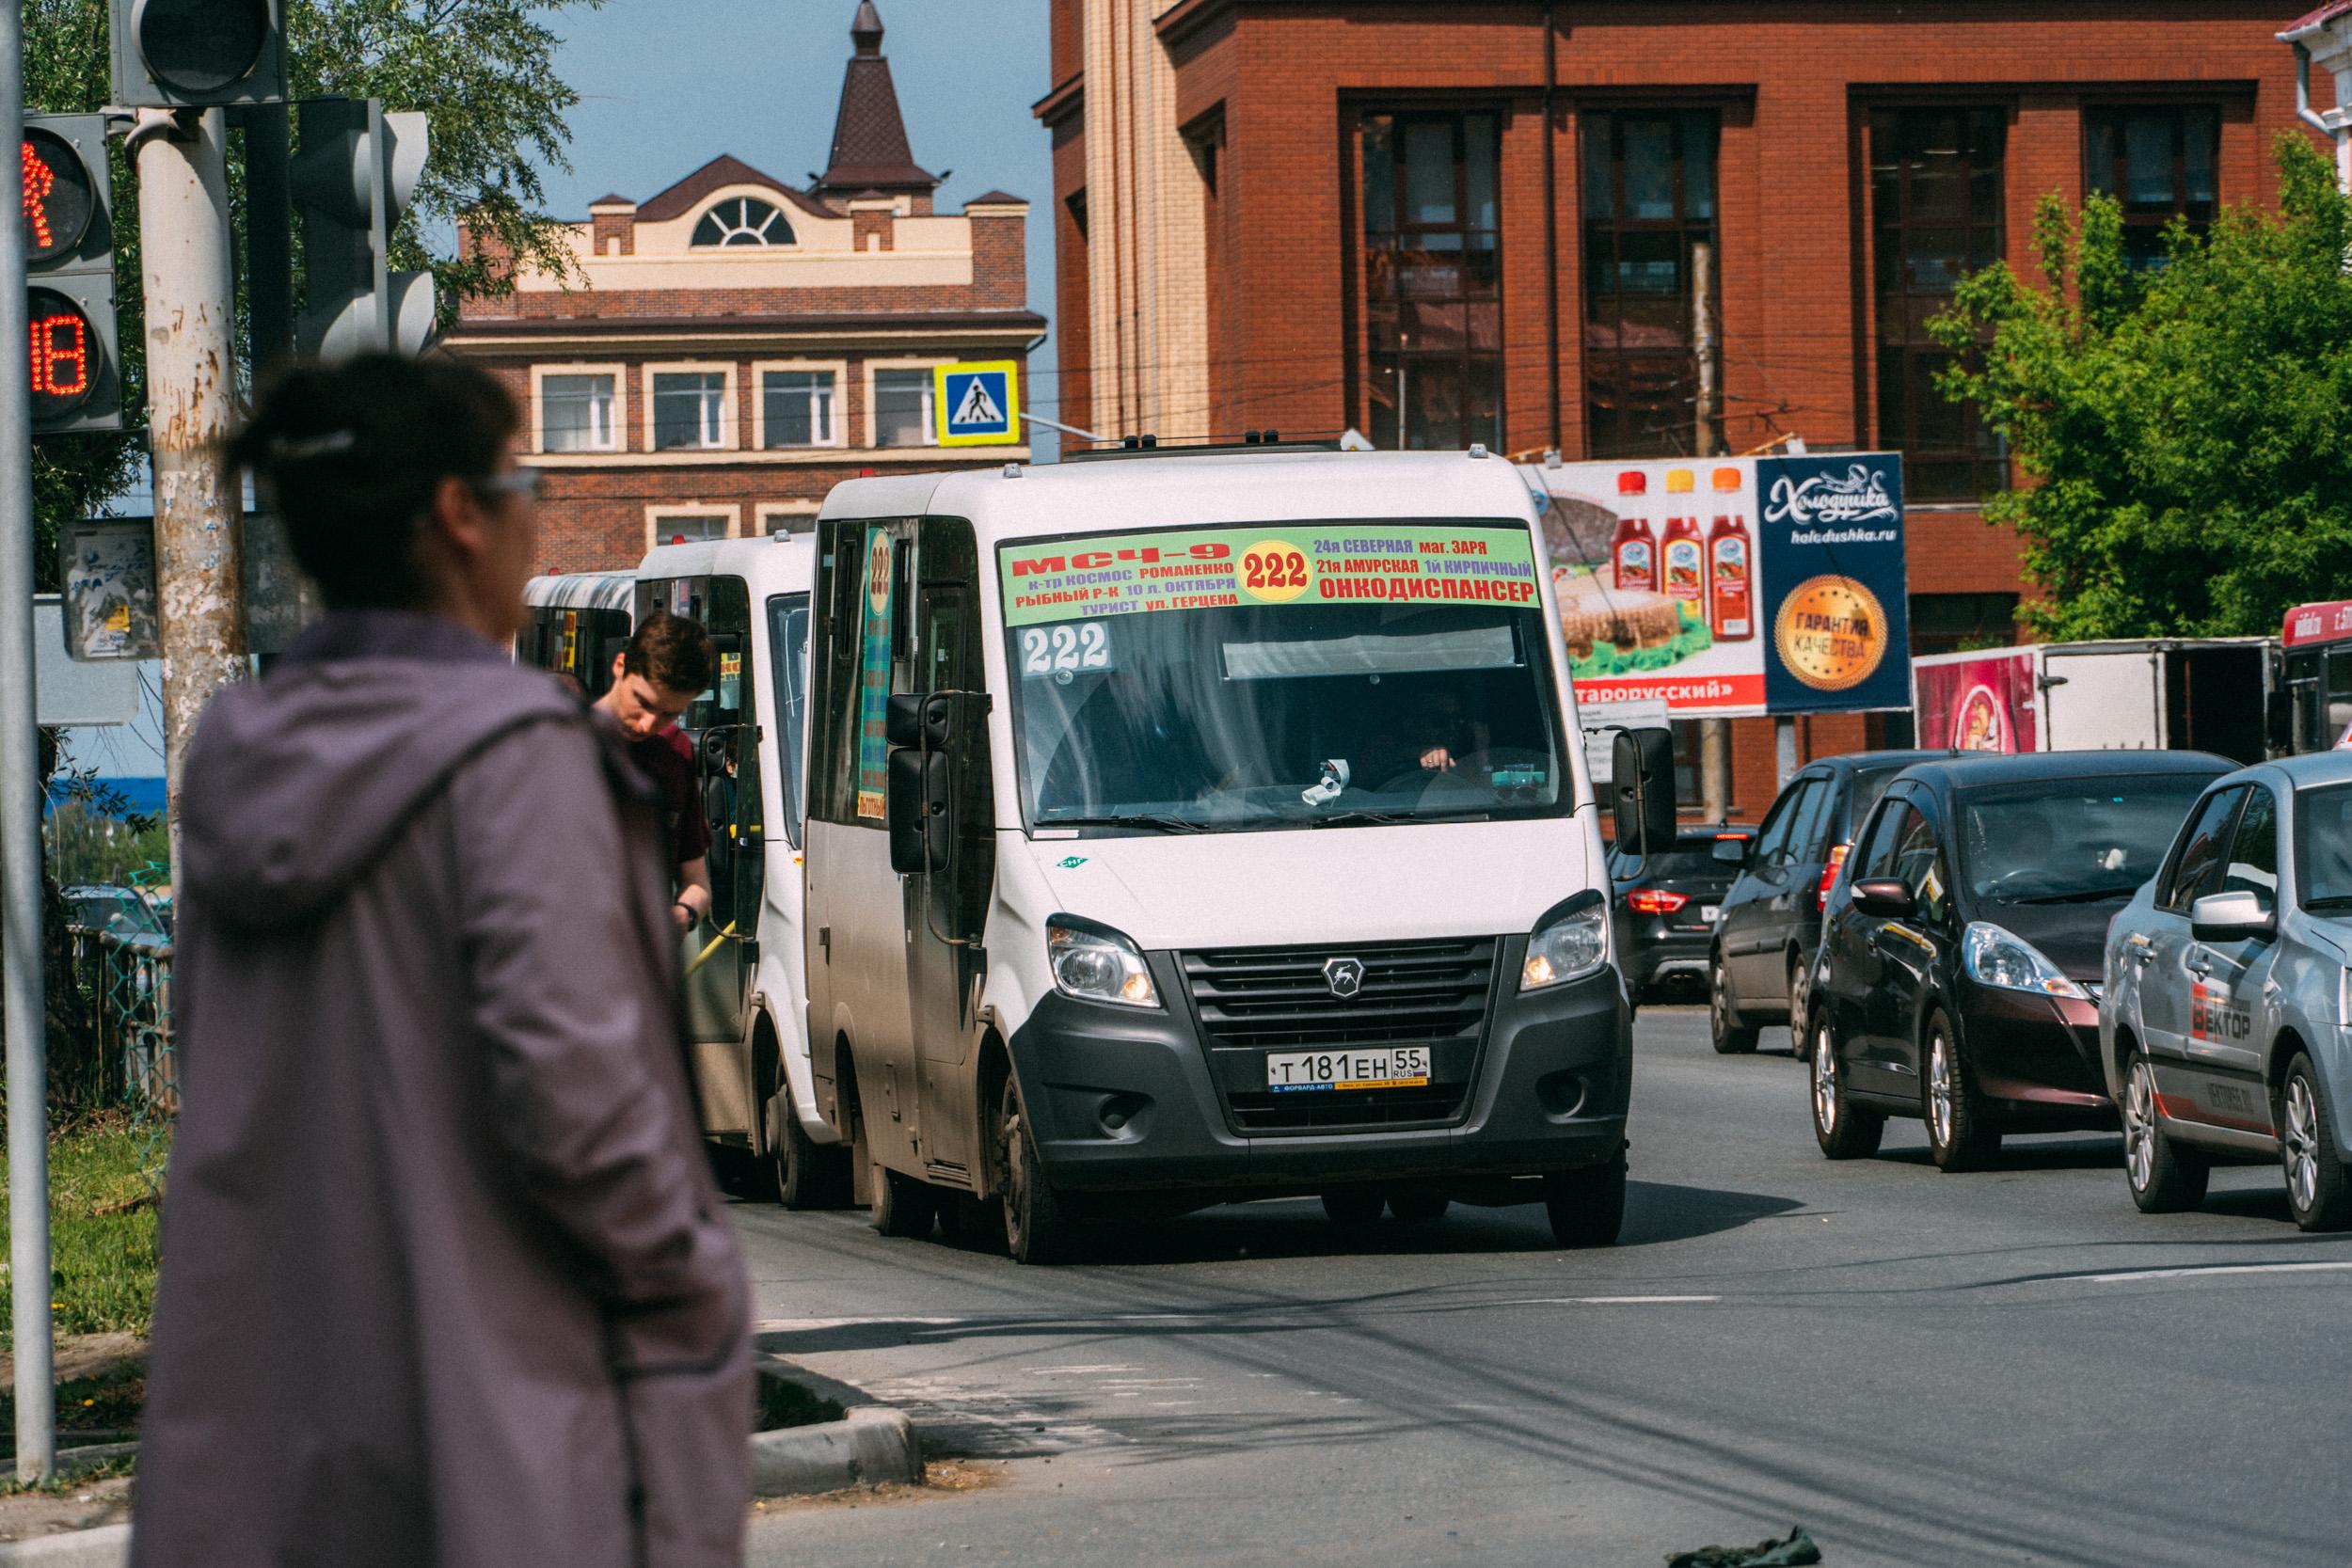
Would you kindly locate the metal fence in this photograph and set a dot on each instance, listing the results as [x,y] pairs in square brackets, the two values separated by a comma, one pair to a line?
[124,978]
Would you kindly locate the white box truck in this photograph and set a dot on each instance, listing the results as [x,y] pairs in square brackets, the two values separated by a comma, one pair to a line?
[2197,694]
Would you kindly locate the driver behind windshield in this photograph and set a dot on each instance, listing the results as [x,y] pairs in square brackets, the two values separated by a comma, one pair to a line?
[1431,735]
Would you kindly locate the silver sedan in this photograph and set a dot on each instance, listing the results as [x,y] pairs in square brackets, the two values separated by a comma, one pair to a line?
[2226,1021]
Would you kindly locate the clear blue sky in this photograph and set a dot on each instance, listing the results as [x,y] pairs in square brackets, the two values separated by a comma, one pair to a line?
[667,85]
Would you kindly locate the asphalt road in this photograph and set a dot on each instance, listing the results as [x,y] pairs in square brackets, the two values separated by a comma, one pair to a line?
[2006,1367]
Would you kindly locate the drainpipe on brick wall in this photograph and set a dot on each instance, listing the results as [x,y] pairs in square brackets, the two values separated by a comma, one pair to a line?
[1552,221]
[2336,122]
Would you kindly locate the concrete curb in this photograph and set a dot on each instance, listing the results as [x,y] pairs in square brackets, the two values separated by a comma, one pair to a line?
[108,1547]
[872,1444]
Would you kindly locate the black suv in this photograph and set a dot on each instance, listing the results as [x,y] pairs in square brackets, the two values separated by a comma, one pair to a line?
[1666,904]
[1772,918]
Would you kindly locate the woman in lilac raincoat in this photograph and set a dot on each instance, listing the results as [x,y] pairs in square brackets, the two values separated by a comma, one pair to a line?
[445,1280]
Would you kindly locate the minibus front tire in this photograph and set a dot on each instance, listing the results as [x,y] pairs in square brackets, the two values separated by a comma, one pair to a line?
[1586,1207]
[1038,1227]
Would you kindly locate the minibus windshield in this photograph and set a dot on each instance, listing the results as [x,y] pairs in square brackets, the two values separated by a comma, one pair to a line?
[1278,676]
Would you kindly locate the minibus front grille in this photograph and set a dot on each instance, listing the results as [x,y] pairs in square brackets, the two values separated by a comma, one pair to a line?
[1349,1113]
[1411,993]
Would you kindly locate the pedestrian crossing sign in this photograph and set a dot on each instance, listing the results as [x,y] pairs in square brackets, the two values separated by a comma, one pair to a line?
[977,405]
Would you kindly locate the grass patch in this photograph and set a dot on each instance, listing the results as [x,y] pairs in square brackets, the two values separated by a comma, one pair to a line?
[102,1228]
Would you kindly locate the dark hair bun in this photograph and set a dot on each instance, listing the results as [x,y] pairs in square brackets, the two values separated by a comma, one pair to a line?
[349,456]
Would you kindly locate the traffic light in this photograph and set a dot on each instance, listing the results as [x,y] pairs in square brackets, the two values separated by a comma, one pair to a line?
[176,53]
[355,176]
[69,274]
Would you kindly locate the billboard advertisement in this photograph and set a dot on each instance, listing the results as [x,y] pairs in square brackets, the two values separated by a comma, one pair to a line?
[1726,587]
[1979,703]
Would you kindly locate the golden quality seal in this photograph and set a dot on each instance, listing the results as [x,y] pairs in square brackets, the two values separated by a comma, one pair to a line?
[1831,633]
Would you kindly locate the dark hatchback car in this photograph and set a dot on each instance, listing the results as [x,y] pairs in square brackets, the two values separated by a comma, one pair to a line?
[1962,952]
[1666,904]
[1772,918]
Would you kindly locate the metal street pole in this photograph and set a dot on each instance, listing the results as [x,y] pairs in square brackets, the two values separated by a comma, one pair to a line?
[20,1013]
[1714,734]
[185,251]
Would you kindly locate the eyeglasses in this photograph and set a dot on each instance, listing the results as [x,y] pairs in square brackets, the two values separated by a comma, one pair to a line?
[528,483]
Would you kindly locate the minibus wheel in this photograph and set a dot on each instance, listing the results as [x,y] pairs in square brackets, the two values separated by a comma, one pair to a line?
[1037,1229]
[1586,1207]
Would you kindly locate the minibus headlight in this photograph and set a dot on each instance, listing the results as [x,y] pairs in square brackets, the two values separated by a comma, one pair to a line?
[1571,942]
[1097,965]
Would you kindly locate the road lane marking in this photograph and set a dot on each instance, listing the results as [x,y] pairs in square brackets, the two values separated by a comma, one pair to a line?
[2194,1271]
[1601,1301]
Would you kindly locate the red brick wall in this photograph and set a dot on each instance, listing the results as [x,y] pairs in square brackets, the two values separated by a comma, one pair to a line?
[1794,83]
[1074,338]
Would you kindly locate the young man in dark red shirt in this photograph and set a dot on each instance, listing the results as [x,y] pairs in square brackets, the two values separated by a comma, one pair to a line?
[666,665]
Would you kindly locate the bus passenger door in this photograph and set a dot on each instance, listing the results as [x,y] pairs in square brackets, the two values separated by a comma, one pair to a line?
[943,912]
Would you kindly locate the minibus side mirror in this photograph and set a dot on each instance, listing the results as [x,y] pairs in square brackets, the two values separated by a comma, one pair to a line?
[1641,776]
[921,811]
[924,719]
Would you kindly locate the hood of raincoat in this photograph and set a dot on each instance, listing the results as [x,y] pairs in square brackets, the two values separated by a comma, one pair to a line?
[296,781]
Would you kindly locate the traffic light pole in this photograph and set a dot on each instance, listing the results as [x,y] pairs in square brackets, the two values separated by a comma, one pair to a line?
[184,254]
[20,1011]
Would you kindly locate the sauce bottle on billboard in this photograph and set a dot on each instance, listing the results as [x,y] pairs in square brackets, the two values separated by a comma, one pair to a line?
[1683,549]
[1633,553]
[1730,569]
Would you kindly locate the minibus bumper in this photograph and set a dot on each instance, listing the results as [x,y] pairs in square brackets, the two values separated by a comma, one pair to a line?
[1126,1100]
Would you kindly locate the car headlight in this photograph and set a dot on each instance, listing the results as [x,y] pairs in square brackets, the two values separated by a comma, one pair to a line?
[1097,964]
[1570,941]
[1994,957]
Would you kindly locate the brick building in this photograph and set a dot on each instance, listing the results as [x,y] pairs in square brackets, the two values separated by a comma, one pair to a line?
[734,346]
[1481,220]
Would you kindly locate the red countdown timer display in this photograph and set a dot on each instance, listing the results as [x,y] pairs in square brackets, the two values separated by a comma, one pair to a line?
[64,354]
[59,197]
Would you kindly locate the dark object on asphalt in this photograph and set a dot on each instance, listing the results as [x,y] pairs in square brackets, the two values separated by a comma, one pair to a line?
[1960,972]
[450,1281]
[1666,903]
[1794,1548]
[1772,918]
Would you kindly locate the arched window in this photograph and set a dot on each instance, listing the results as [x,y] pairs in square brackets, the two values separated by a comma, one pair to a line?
[745,220]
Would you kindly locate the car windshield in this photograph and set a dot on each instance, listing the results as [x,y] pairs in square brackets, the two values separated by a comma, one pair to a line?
[1282,676]
[2072,840]
[2322,847]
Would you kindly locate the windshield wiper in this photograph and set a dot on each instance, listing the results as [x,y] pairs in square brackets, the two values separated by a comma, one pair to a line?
[2330,901]
[1159,820]
[2082,895]
[1394,818]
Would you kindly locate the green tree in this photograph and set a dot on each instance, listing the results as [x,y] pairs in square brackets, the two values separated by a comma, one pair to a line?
[2184,437]
[484,71]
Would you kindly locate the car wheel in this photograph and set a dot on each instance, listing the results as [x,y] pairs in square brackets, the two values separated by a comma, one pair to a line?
[1586,1207]
[1960,1132]
[1037,1229]
[2166,1177]
[1418,1208]
[2317,1190]
[1352,1207]
[1800,1001]
[1844,1130]
[1732,1037]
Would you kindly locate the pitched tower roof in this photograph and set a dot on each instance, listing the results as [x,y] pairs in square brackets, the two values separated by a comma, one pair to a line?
[869,135]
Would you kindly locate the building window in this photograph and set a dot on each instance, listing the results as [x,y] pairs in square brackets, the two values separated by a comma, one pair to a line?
[902,410]
[744,221]
[1431,268]
[1955,622]
[797,407]
[690,523]
[1649,201]
[690,409]
[2159,163]
[1935,208]
[576,413]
